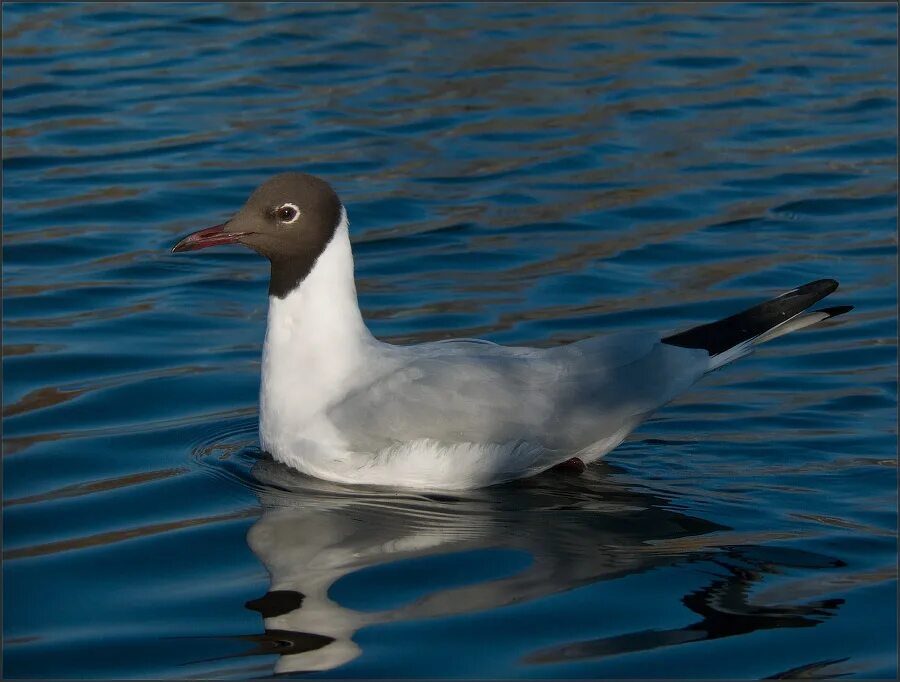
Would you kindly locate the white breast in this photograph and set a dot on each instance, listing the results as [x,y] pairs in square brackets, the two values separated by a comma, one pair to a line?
[316,346]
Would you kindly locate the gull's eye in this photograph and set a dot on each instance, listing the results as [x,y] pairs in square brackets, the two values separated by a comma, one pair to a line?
[287,213]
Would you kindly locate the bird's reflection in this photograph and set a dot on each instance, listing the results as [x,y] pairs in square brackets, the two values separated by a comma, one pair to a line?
[571,531]
[724,606]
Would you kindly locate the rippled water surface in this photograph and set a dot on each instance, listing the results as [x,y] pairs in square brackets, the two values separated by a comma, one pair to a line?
[526,173]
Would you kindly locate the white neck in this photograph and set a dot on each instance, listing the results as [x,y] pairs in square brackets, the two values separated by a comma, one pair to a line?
[315,336]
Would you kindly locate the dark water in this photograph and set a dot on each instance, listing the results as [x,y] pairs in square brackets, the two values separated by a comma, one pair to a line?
[525,173]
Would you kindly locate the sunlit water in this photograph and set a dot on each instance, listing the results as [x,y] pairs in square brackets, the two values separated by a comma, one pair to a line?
[530,174]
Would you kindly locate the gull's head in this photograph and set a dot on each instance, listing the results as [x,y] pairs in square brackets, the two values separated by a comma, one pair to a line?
[289,219]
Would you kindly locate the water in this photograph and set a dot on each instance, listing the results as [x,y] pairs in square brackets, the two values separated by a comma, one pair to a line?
[519,172]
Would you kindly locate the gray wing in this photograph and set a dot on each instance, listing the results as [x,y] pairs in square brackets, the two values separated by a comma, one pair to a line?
[467,391]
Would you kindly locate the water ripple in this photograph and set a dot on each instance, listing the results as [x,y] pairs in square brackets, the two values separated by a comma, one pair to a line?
[531,173]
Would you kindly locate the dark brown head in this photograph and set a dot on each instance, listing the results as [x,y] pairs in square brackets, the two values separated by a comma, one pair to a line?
[289,219]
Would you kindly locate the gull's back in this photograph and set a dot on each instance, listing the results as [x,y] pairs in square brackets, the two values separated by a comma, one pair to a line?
[567,397]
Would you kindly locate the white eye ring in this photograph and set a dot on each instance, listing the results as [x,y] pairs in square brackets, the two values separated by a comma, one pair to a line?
[294,207]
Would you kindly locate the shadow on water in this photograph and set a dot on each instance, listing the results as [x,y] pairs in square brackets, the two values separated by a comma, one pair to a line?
[341,560]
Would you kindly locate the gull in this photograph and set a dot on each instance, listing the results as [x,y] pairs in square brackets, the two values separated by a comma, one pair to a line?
[338,404]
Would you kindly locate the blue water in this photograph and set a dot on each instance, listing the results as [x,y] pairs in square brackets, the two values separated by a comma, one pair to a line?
[526,173]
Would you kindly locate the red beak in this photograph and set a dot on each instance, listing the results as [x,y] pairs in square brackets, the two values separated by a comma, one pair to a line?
[211,236]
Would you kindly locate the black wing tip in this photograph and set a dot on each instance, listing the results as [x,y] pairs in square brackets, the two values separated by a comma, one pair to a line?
[717,337]
[834,311]
[820,288]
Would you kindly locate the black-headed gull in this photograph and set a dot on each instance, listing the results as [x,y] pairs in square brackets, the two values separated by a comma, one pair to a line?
[337,403]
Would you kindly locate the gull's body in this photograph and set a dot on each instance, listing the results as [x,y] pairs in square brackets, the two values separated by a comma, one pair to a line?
[339,404]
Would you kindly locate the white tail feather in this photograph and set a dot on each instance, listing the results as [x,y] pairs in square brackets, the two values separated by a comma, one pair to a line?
[800,321]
